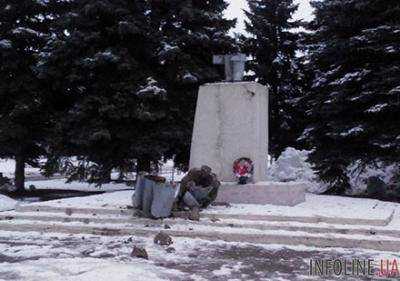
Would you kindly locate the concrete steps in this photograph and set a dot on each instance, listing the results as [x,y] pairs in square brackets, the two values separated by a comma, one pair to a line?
[225,227]
[323,228]
[246,217]
[382,243]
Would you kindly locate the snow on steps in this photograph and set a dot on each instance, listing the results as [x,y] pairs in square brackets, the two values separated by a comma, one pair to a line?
[213,223]
[320,221]
[381,243]
[120,222]
[316,208]
[250,217]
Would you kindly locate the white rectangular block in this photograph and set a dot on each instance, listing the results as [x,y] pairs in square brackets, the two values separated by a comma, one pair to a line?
[231,122]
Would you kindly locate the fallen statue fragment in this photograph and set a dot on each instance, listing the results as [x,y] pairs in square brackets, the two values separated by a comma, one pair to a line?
[154,197]
[199,188]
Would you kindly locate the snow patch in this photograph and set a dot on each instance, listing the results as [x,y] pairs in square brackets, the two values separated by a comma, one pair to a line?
[6,203]
[87,269]
[292,166]
[377,108]
[352,132]
[305,134]
[25,30]
[107,55]
[151,89]
[190,78]
[168,50]
[390,49]
[112,200]
[227,270]
[395,90]
[61,184]
[350,77]
[359,174]
[7,167]
[43,2]
[327,206]
[5,44]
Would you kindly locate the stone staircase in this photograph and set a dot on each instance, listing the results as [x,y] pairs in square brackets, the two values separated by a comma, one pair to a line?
[376,234]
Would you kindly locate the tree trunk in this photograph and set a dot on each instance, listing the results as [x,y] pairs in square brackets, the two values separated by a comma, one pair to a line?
[143,165]
[121,176]
[19,174]
[106,175]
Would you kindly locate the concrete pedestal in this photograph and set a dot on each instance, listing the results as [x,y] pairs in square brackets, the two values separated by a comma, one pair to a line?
[231,122]
[283,194]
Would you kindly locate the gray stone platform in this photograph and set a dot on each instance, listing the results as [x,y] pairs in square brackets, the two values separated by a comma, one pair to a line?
[282,194]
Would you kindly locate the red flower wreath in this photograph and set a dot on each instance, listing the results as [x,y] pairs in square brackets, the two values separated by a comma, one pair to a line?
[243,167]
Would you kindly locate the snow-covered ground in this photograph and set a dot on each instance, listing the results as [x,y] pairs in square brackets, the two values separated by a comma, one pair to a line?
[53,257]
[116,200]
[33,256]
[6,203]
[318,206]
[7,167]
[58,184]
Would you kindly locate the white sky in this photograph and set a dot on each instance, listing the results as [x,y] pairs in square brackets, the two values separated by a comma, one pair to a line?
[236,6]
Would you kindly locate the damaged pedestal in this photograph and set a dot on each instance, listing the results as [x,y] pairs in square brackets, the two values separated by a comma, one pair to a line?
[231,122]
[283,194]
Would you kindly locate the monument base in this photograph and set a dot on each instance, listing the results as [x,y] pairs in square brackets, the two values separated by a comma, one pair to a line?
[231,122]
[263,193]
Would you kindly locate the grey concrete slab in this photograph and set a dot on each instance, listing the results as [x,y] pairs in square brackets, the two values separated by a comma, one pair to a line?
[289,194]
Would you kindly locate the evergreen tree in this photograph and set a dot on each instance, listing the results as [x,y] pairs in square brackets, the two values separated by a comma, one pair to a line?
[101,69]
[24,114]
[355,97]
[273,44]
[192,32]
